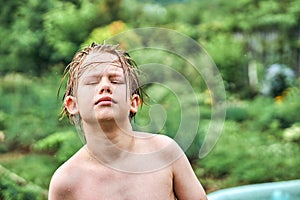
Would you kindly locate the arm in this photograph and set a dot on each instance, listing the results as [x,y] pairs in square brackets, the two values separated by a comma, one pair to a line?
[186,184]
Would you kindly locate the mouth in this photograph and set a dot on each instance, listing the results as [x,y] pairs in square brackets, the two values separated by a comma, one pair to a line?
[105,101]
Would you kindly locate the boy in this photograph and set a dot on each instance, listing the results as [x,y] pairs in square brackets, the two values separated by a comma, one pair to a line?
[117,163]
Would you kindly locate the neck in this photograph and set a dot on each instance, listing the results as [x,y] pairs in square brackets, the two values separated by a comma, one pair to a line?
[109,141]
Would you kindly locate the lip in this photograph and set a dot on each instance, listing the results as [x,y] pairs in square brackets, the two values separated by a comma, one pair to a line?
[105,101]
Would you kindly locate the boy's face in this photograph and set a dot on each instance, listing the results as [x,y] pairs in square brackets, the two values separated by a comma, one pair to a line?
[102,92]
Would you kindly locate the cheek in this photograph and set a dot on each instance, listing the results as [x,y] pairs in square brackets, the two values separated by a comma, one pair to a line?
[85,97]
[120,93]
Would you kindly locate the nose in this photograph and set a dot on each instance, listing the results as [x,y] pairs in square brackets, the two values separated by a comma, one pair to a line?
[105,87]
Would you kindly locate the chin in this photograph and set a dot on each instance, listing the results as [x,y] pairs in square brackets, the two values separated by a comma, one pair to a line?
[106,116]
[107,119]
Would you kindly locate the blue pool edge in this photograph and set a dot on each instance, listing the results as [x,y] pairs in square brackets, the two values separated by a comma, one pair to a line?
[255,189]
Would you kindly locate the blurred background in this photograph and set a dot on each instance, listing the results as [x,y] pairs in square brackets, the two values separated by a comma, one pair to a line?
[255,45]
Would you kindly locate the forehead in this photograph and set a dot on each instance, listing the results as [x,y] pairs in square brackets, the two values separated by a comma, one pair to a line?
[100,57]
[101,62]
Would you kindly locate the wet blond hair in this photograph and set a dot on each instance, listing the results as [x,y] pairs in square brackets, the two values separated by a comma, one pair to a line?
[75,69]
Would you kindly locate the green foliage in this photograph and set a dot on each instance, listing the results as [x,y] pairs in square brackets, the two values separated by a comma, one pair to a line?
[286,109]
[250,15]
[258,144]
[101,34]
[3,121]
[261,137]
[217,164]
[236,113]
[33,168]
[262,113]
[66,26]
[141,14]
[63,144]
[16,188]
[265,112]
[9,190]
[229,60]
[245,157]
[23,48]
[30,110]
[292,133]
[39,35]
[52,142]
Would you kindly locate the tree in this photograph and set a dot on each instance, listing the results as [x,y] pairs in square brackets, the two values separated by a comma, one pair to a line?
[23,46]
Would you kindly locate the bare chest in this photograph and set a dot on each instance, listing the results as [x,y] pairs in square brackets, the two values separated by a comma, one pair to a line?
[122,186]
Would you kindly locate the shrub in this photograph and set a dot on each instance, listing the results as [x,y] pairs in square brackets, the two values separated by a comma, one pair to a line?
[28,111]
[222,160]
[245,156]
[63,144]
[236,113]
[16,188]
[3,121]
[287,109]
[292,134]
[262,113]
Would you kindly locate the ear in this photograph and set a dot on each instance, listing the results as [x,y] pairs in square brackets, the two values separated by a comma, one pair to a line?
[135,102]
[71,105]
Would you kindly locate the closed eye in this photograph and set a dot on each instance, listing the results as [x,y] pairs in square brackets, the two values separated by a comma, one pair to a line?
[117,80]
[91,81]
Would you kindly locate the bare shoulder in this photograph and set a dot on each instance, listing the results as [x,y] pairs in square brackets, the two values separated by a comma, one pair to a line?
[65,178]
[186,184]
[157,140]
[160,146]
